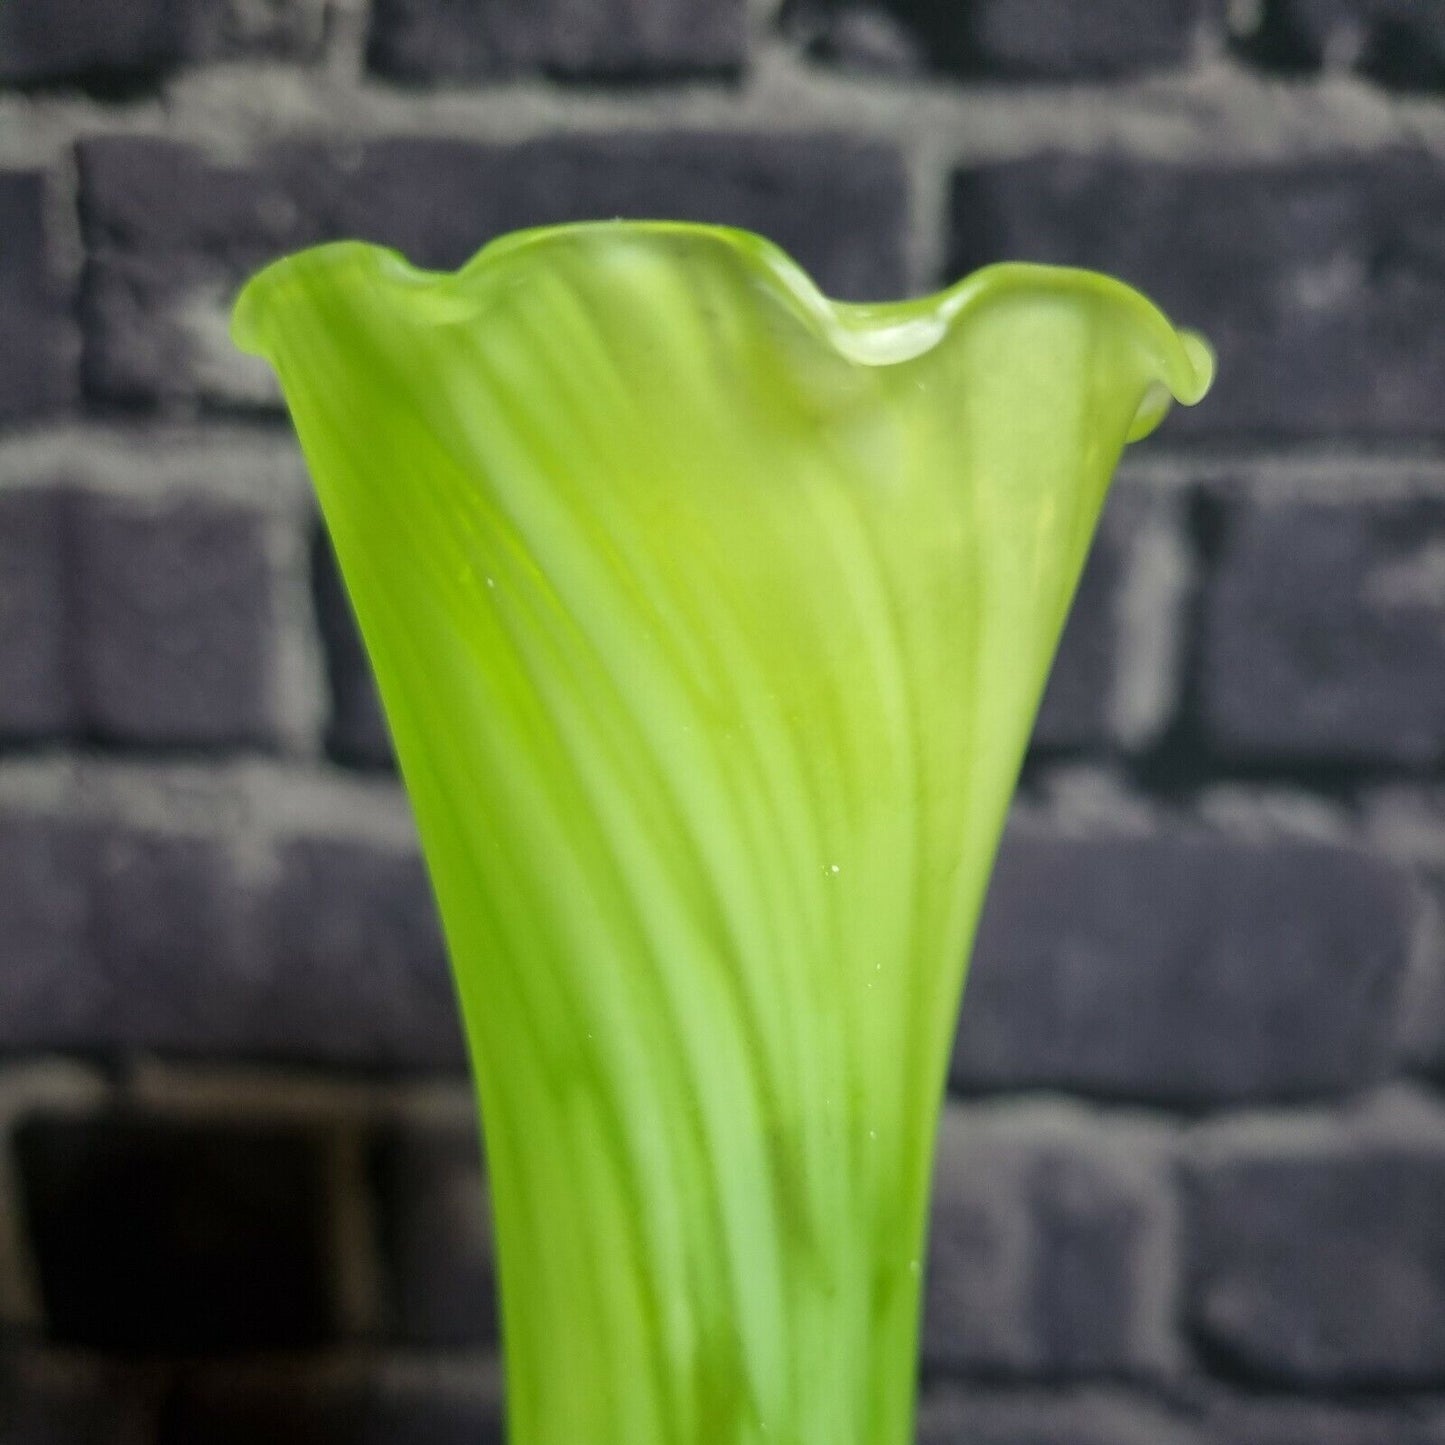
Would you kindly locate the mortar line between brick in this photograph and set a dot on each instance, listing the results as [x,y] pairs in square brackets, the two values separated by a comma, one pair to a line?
[20,1304]
[926,234]
[258,802]
[31,1086]
[298,675]
[1395,1112]
[1341,473]
[154,463]
[469,1372]
[355,1235]
[221,458]
[347,23]
[1217,110]
[251,798]
[279,1093]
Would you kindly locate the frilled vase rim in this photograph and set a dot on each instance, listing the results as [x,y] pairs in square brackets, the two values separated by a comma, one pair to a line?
[868,333]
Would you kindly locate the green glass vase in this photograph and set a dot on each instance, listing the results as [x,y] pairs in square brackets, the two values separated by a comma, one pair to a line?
[710,618]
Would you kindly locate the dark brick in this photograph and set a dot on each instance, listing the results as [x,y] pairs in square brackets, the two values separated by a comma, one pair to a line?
[124,44]
[436,1238]
[140,346]
[359,974]
[48,40]
[1320,1263]
[1056,39]
[1090,701]
[176,621]
[1184,966]
[1048,1251]
[120,937]
[957,1416]
[35,694]
[1075,708]
[167,912]
[858,37]
[38,342]
[357,732]
[242,29]
[172,235]
[327,1408]
[1395,42]
[439,200]
[838,205]
[1316,281]
[1299,1423]
[161,199]
[1324,632]
[458,40]
[66,1402]
[1408,821]
[1421,1041]
[158,1236]
[54,990]
[1009,39]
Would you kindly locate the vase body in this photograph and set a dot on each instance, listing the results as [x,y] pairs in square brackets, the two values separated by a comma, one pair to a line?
[710,619]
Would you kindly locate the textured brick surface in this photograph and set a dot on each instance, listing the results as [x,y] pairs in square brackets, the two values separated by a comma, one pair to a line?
[1395,42]
[453,40]
[985,1416]
[359,973]
[1316,281]
[1059,39]
[861,38]
[1049,1248]
[1421,1036]
[175,621]
[436,1238]
[1113,682]
[174,234]
[356,731]
[35,693]
[167,913]
[38,344]
[1325,632]
[179,1238]
[54,989]
[1292,1423]
[119,936]
[125,44]
[327,1408]
[1321,1265]
[1014,39]
[44,40]
[1409,820]
[247,944]
[1075,707]
[1184,966]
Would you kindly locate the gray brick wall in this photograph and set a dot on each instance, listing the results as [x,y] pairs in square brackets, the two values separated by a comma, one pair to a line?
[1191,1176]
